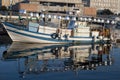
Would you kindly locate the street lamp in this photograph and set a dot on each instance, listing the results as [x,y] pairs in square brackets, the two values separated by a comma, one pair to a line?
[89,19]
[54,16]
[108,21]
[74,18]
[94,20]
[42,15]
[31,14]
[59,18]
[112,22]
[99,20]
[49,16]
[81,19]
[67,18]
[102,21]
[11,1]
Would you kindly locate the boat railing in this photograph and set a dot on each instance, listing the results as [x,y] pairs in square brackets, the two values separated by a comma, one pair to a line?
[18,26]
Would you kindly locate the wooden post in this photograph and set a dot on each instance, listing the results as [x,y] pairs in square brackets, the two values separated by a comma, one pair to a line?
[27,17]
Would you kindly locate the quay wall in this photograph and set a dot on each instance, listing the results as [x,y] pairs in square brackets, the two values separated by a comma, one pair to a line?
[2,30]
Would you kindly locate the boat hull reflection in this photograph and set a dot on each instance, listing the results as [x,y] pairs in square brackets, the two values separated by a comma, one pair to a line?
[52,57]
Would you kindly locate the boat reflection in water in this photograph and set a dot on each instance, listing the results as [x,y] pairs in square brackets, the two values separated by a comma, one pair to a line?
[38,58]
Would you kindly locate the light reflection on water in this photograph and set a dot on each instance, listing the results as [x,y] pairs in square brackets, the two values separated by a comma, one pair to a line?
[58,62]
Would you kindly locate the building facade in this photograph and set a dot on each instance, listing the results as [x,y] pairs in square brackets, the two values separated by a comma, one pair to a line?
[86,3]
[59,5]
[9,3]
[113,5]
[29,7]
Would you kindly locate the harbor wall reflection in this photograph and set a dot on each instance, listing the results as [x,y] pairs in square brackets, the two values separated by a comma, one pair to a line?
[38,58]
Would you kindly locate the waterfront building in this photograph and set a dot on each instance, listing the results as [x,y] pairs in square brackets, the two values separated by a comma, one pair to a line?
[112,5]
[7,3]
[86,3]
[59,6]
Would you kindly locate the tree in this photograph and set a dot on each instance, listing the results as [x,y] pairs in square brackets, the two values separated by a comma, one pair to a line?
[106,12]
[3,8]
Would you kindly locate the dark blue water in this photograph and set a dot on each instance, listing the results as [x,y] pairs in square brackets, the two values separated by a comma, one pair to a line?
[23,61]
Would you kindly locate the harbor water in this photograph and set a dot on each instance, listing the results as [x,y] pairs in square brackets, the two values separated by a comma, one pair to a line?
[28,61]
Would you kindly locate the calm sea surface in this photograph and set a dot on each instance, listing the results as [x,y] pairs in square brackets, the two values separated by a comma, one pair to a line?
[25,61]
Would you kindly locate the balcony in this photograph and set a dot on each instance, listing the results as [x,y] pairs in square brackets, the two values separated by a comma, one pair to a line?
[57,8]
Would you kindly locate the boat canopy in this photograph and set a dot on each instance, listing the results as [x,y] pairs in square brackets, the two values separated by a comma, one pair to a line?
[71,25]
[76,24]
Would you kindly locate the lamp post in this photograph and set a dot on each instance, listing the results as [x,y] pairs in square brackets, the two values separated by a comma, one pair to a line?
[43,17]
[104,23]
[59,17]
[90,20]
[113,31]
[67,18]
[37,17]
[31,16]
[11,1]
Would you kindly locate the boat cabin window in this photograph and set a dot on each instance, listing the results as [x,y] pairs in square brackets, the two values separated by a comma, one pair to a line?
[64,24]
[77,24]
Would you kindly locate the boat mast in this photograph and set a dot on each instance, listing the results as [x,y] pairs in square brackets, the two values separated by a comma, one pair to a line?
[11,2]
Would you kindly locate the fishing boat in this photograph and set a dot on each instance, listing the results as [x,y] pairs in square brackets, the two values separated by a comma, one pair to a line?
[60,30]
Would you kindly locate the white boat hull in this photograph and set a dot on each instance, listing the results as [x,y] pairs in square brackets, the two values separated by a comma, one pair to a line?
[19,35]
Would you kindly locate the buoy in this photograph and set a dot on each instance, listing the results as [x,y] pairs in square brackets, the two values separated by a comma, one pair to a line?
[54,35]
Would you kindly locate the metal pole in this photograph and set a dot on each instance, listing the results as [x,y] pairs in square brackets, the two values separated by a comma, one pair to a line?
[11,1]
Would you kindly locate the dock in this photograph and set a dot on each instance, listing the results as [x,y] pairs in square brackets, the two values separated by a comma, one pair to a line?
[2,30]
